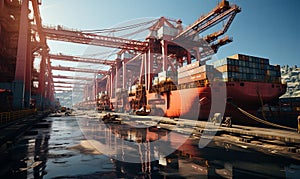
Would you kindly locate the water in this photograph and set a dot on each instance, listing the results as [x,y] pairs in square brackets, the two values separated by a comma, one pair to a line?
[63,150]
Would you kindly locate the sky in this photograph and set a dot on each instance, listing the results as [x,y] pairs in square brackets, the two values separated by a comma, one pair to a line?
[264,28]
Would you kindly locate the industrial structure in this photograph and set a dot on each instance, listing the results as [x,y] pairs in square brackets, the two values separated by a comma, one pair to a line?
[171,63]
[23,38]
[169,73]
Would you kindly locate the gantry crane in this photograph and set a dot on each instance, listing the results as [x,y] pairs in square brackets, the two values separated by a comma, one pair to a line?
[173,49]
[60,34]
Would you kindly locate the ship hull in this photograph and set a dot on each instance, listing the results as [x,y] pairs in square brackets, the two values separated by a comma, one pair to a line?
[203,102]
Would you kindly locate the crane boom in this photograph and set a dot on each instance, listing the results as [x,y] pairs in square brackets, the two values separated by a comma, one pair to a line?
[218,14]
[72,77]
[81,59]
[60,34]
[62,68]
[69,82]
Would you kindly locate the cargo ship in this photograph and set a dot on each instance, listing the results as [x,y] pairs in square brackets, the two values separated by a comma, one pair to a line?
[176,75]
[198,91]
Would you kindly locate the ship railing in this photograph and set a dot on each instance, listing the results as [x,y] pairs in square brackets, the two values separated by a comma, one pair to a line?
[6,117]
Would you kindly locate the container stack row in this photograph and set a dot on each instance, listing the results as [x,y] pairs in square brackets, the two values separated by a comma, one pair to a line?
[194,72]
[247,68]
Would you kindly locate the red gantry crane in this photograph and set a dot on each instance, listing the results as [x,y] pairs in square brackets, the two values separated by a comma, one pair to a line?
[167,46]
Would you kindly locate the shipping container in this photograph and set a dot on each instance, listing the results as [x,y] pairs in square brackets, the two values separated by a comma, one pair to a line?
[244,57]
[235,56]
[199,76]
[240,57]
[236,69]
[230,61]
[220,62]
[191,78]
[189,67]
[251,65]
[242,70]
[266,62]
[253,59]
[185,80]
[248,77]
[241,63]
[277,67]
[167,74]
[223,68]
[246,63]
[245,68]
[201,69]
[244,76]
[225,75]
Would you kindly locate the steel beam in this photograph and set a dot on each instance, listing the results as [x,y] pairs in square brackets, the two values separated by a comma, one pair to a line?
[58,86]
[68,82]
[81,59]
[74,69]
[73,77]
[60,34]
[22,55]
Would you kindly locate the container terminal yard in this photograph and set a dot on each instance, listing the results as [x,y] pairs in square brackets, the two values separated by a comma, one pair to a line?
[165,107]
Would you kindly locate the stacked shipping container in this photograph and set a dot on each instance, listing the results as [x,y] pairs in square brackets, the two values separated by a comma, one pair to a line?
[191,73]
[234,68]
[247,68]
[196,73]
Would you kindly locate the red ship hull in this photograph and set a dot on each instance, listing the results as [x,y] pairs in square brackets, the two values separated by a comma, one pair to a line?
[198,103]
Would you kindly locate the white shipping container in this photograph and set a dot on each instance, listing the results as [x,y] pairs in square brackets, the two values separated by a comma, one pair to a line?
[188,67]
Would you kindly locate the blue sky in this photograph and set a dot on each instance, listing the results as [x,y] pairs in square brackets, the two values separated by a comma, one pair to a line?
[266,28]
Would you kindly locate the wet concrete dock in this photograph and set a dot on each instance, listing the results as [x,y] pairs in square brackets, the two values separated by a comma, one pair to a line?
[275,141]
[66,147]
[265,133]
[10,132]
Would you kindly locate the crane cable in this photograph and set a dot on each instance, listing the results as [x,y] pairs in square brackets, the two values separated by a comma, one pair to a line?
[134,33]
[261,120]
[120,28]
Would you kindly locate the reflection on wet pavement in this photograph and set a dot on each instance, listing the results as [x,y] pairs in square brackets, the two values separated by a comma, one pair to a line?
[59,148]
